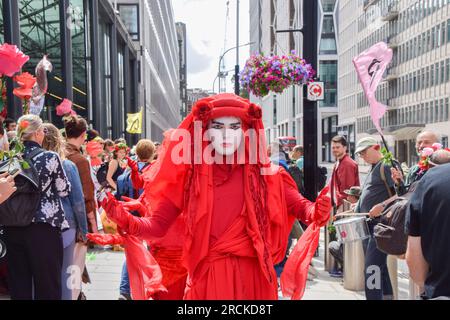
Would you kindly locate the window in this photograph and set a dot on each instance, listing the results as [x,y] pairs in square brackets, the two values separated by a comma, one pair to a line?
[448,30]
[436,75]
[1,23]
[328,5]
[447,70]
[328,74]
[442,80]
[432,75]
[129,14]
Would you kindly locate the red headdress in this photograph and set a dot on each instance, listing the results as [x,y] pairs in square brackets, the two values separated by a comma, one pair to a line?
[187,184]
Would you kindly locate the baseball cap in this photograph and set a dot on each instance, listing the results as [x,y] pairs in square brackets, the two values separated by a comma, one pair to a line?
[365,143]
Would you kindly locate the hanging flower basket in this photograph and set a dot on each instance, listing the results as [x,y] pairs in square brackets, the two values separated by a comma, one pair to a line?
[263,74]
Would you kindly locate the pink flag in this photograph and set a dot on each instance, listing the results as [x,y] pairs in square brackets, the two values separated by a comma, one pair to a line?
[370,67]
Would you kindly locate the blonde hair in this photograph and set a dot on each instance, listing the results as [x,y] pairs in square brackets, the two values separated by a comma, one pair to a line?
[34,124]
[53,140]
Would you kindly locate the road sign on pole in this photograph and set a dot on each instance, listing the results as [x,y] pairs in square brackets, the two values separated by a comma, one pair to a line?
[316,91]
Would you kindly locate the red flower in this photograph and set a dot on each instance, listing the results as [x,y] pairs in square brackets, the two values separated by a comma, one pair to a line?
[202,111]
[11,60]
[26,82]
[65,108]
[254,111]
[24,125]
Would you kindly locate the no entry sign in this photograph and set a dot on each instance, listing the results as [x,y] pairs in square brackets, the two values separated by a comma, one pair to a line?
[316,91]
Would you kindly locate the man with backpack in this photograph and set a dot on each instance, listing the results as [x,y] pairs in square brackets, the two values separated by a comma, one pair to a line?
[377,188]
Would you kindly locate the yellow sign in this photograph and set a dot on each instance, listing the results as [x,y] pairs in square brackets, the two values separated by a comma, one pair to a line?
[134,123]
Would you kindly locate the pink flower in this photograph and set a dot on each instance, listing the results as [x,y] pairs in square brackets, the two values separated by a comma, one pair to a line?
[11,59]
[65,108]
[427,152]
[437,146]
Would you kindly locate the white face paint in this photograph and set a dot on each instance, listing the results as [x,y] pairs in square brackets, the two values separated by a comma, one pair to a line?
[225,134]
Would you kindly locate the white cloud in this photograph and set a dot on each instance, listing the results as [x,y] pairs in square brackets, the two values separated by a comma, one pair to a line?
[205,24]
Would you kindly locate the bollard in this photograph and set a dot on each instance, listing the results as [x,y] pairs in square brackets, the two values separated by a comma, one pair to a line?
[329,260]
[354,266]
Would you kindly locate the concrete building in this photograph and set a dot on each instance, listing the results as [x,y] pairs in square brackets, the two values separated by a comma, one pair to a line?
[153,27]
[182,57]
[110,57]
[193,95]
[94,59]
[417,83]
[283,113]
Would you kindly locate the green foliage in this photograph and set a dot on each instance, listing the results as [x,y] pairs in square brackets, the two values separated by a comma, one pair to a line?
[388,157]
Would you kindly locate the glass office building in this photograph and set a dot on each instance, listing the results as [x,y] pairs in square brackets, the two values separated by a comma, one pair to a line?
[93,56]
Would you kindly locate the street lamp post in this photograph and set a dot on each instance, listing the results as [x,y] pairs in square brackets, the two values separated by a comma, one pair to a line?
[219,74]
[237,90]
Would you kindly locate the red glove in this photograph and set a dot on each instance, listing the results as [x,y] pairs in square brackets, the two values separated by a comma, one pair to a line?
[132,164]
[105,239]
[135,205]
[322,208]
[116,212]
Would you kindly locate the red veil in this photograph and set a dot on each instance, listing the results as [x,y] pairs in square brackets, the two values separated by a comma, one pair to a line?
[188,186]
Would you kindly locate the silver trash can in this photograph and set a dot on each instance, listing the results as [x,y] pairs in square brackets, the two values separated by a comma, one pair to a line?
[352,232]
[354,266]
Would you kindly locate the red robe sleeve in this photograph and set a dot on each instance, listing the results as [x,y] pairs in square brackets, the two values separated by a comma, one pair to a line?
[297,205]
[137,180]
[156,226]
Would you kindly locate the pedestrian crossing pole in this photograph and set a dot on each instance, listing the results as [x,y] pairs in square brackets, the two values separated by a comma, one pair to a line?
[310,118]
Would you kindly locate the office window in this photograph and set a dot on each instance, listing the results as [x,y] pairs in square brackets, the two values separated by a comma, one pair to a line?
[432,75]
[442,78]
[447,70]
[446,109]
[441,110]
[436,73]
[1,23]
[448,30]
[129,14]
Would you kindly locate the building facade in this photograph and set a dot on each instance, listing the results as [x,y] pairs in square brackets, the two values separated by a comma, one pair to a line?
[417,83]
[193,95]
[182,57]
[283,113]
[95,62]
[155,36]
[110,58]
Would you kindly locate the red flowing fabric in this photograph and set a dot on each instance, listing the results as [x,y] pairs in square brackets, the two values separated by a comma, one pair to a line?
[256,241]
[295,272]
[143,270]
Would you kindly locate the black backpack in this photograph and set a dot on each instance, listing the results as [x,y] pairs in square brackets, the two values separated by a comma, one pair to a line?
[389,233]
[102,173]
[297,175]
[322,177]
[20,209]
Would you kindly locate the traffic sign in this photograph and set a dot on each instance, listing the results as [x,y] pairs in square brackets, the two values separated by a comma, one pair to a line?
[316,91]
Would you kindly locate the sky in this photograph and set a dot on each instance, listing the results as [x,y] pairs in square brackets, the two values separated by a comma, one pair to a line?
[205,23]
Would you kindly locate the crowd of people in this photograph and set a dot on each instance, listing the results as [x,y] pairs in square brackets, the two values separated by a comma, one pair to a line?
[46,259]
[424,207]
[220,230]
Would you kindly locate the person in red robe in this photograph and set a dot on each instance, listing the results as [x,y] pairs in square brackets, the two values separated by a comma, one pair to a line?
[238,209]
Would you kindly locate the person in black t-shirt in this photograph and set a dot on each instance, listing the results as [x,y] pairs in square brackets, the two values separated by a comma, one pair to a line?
[428,227]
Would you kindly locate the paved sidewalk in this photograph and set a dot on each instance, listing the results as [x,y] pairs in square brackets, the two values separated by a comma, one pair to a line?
[105,266]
